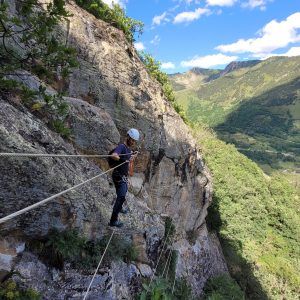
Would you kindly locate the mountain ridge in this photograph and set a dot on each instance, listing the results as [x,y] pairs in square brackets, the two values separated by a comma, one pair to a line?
[271,86]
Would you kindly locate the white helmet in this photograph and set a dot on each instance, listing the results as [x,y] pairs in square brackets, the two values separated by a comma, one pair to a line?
[134,134]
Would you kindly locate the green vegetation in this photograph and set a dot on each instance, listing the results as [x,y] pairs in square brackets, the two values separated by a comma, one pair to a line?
[9,290]
[28,42]
[255,107]
[153,67]
[257,217]
[162,286]
[162,289]
[222,287]
[114,16]
[168,259]
[258,221]
[69,246]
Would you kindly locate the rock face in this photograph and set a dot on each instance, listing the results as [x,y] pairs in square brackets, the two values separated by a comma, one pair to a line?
[177,182]
[110,92]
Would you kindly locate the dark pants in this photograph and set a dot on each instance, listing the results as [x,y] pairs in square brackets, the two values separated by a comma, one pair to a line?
[121,190]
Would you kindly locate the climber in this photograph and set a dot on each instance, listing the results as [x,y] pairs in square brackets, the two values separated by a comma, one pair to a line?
[120,174]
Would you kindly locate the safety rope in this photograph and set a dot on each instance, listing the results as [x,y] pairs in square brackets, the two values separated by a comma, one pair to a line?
[174,283]
[87,291]
[22,211]
[162,250]
[58,155]
[167,264]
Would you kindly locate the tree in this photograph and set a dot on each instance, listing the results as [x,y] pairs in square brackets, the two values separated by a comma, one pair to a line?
[29,41]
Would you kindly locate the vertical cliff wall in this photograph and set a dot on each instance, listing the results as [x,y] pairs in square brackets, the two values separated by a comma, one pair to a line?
[110,92]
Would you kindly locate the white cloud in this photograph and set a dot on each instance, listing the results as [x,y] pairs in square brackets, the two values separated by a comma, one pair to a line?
[158,19]
[274,35]
[209,61]
[156,40]
[188,2]
[294,51]
[119,2]
[220,2]
[167,65]
[256,3]
[189,16]
[139,46]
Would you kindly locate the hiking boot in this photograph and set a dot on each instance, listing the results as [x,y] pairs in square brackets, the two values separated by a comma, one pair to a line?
[116,224]
[124,211]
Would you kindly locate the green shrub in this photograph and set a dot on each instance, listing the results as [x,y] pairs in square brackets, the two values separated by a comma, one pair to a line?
[41,53]
[168,258]
[34,27]
[162,289]
[9,290]
[153,67]
[69,246]
[170,230]
[159,289]
[223,287]
[114,16]
[60,127]
[182,290]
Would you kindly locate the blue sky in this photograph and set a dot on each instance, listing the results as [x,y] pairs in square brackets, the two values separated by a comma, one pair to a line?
[211,33]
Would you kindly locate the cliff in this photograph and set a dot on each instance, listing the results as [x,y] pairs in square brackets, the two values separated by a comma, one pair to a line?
[110,92]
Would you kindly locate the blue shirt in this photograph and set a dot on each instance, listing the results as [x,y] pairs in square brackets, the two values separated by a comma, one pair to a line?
[123,149]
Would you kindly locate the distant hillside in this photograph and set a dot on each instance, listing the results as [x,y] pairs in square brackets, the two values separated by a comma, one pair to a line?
[192,79]
[233,66]
[256,106]
[258,221]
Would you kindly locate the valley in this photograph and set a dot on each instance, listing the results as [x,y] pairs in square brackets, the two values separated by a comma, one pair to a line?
[254,105]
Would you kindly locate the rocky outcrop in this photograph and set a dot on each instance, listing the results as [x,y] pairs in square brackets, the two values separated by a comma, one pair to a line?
[110,92]
[176,180]
[113,283]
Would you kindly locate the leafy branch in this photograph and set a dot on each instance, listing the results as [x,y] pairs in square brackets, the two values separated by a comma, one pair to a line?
[28,41]
[114,16]
[153,67]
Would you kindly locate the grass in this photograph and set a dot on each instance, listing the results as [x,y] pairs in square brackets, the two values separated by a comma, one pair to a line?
[222,287]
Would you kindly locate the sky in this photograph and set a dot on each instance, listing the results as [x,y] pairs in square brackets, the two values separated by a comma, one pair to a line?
[183,34]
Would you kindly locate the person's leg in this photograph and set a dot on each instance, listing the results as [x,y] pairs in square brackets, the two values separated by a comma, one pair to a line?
[121,189]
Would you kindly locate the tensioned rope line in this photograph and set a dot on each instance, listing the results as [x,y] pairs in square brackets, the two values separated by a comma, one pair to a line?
[173,287]
[167,262]
[22,211]
[162,250]
[87,291]
[58,155]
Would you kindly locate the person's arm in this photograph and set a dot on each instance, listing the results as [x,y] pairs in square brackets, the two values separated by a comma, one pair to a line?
[116,154]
